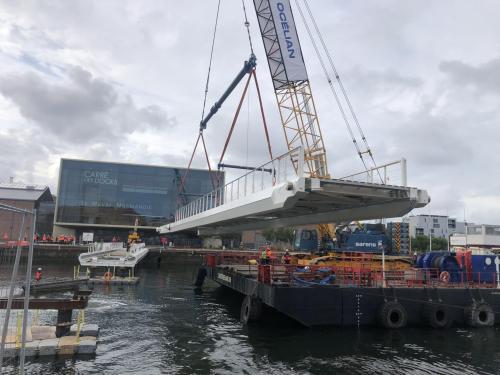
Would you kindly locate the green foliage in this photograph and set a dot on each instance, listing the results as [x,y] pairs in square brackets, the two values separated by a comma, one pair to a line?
[268,234]
[420,244]
[280,234]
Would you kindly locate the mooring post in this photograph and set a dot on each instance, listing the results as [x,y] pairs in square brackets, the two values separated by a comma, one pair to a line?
[63,324]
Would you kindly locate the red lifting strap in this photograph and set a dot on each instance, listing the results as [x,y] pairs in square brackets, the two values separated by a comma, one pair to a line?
[250,75]
[215,183]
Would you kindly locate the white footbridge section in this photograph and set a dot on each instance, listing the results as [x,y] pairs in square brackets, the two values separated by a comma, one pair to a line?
[277,194]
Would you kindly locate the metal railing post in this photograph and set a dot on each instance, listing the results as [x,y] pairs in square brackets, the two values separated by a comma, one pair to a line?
[278,180]
[403,172]
[300,167]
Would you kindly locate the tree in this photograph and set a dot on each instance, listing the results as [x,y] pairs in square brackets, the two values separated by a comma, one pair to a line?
[269,234]
[420,244]
[284,234]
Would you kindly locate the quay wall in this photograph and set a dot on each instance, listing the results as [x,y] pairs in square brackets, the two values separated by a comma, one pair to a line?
[48,253]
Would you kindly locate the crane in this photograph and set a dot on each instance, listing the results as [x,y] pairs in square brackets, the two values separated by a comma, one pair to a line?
[291,84]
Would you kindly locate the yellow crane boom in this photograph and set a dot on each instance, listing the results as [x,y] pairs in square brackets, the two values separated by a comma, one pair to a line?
[291,84]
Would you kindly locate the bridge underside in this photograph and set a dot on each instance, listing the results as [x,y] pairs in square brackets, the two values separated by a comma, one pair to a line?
[305,201]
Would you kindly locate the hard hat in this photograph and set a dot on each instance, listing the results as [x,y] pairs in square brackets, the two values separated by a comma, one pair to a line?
[39,269]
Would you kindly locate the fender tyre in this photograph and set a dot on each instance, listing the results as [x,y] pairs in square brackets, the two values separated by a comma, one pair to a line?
[392,315]
[251,309]
[479,315]
[437,316]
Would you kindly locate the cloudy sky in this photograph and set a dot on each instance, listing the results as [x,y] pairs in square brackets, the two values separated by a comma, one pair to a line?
[124,81]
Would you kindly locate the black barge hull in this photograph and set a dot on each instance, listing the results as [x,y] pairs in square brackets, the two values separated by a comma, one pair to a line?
[320,305]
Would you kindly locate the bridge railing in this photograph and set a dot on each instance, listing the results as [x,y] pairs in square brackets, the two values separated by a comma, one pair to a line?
[285,168]
[387,174]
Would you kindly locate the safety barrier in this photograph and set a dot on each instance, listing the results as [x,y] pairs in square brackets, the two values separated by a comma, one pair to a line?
[355,274]
[285,168]
[385,174]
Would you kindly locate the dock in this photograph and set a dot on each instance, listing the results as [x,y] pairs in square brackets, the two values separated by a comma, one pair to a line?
[43,342]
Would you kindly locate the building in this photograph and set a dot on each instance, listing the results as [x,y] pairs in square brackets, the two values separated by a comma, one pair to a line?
[103,199]
[27,197]
[434,225]
[483,236]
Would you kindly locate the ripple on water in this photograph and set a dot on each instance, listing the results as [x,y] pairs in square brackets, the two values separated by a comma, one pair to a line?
[163,326]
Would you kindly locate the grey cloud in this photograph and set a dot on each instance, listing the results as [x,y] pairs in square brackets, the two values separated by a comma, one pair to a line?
[20,153]
[81,109]
[484,77]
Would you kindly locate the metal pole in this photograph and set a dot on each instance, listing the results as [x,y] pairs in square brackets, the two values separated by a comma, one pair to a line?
[11,293]
[300,169]
[403,172]
[27,294]
[497,263]
[383,266]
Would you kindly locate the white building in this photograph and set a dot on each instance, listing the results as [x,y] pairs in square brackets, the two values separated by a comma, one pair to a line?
[485,236]
[435,225]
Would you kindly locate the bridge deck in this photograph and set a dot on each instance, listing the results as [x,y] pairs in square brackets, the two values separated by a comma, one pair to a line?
[276,195]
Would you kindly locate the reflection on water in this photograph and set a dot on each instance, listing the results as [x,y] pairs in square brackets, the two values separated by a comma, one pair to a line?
[165,326]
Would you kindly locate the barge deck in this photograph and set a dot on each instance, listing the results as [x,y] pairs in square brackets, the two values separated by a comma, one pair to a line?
[317,296]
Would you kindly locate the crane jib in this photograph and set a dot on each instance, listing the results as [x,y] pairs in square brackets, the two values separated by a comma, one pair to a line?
[286,30]
[247,68]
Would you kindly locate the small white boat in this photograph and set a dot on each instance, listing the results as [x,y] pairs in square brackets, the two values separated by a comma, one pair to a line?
[113,254]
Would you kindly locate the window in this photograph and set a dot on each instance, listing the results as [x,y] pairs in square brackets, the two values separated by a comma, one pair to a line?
[435,225]
[432,230]
[419,231]
[493,231]
[114,193]
[435,220]
[474,230]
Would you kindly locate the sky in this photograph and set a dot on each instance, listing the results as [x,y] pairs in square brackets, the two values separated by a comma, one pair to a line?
[124,81]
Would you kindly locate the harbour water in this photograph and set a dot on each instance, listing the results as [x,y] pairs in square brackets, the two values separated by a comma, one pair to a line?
[164,326]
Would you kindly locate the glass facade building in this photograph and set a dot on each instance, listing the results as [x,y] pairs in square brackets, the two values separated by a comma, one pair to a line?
[103,195]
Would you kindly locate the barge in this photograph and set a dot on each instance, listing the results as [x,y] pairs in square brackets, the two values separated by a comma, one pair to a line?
[350,296]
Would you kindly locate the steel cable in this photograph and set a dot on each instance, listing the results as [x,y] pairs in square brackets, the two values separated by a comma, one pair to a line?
[342,88]
[210,61]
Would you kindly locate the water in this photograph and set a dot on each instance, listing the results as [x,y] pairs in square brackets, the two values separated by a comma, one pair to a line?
[163,326]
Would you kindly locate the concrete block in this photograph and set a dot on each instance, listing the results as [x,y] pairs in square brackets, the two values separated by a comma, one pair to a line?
[43,332]
[48,347]
[11,339]
[85,330]
[31,348]
[10,351]
[67,345]
[88,345]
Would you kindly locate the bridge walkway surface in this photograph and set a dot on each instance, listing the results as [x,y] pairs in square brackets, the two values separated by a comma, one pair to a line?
[277,194]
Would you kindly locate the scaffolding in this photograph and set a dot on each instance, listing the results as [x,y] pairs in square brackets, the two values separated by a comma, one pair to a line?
[9,291]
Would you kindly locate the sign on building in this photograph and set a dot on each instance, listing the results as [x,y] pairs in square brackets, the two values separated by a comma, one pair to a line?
[87,237]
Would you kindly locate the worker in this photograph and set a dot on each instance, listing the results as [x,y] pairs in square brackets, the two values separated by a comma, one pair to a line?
[263,256]
[268,254]
[287,257]
[38,274]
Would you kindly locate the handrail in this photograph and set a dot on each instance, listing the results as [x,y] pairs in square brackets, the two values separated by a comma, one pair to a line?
[370,172]
[284,168]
